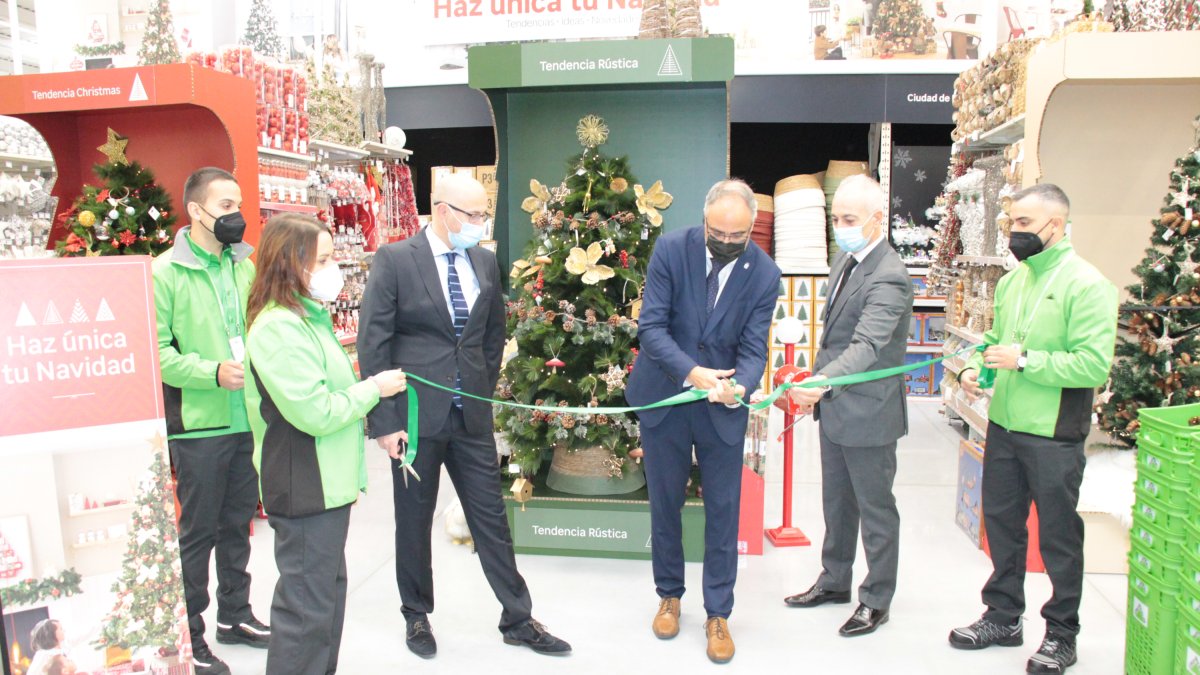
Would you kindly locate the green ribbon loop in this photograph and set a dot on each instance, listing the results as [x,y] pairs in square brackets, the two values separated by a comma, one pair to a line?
[689,396]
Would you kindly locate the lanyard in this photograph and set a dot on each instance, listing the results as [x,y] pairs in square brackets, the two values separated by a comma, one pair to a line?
[1020,335]
[218,284]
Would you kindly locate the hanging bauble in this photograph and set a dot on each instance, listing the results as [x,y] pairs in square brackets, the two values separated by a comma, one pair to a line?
[102,231]
[113,215]
[129,210]
[87,219]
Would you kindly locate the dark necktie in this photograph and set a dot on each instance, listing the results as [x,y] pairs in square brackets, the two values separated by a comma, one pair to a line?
[714,285]
[459,303]
[850,265]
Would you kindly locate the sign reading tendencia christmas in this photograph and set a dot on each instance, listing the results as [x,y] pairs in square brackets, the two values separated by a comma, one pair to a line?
[90,579]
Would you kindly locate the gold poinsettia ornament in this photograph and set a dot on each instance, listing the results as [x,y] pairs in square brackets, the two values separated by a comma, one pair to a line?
[587,264]
[536,204]
[527,268]
[591,131]
[650,201]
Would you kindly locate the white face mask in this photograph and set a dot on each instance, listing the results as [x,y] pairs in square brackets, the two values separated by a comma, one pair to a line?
[326,283]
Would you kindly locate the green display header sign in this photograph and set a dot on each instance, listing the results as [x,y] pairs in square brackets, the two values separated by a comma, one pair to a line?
[580,530]
[558,64]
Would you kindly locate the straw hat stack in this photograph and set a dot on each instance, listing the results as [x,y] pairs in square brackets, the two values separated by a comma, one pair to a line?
[763,233]
[838,171]
[799,224]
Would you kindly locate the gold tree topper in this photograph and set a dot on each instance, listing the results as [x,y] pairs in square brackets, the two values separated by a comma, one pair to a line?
[114,149]
[592,131]
[650,201]
[586,263]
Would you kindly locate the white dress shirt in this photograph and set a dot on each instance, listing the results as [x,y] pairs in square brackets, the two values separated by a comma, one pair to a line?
[859,256]
[466,274]
[722,276]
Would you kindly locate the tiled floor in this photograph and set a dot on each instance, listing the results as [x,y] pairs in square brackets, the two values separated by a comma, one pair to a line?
[604,607]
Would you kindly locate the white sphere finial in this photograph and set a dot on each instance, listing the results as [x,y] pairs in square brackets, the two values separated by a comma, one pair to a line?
[789,330]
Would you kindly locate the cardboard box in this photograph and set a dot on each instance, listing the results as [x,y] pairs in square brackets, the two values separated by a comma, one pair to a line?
[437,172]
[968,505]
[465,170]
[487,176]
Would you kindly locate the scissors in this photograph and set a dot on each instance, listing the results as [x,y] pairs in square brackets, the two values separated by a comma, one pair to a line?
[406,464]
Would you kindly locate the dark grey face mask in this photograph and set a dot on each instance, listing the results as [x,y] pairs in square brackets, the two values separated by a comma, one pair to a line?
[724,252]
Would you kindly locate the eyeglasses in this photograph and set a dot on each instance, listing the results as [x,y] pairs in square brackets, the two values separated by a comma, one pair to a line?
[728,237]
[476,218]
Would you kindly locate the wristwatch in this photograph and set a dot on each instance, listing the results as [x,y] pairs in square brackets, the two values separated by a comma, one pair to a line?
[1022,361]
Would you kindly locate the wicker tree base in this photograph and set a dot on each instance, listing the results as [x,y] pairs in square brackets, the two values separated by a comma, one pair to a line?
[656,20]
[584,472]
[687,19]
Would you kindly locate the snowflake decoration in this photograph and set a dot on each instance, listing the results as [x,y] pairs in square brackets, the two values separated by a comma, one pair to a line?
[559,194]
[902,158]
[591,131]
[614,379]
[920,176]
[1187,267]
[897,202]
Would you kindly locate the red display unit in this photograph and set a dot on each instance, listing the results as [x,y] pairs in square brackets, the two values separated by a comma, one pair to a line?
[177,118]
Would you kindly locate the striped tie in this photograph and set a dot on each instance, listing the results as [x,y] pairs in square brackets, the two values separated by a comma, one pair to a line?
[459,303]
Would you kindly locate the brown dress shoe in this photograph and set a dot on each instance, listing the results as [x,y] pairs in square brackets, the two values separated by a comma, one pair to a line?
[666,622]
[720,642]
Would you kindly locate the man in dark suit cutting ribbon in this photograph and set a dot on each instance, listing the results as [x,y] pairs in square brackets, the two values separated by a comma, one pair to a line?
[705,318]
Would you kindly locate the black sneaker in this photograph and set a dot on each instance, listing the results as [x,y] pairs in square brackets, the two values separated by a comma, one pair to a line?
[984,633]
[1056,654]
[534,635]
[253,633]
[205,663]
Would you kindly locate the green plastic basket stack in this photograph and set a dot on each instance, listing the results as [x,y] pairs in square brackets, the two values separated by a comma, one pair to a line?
[1160,559]
[1188,645]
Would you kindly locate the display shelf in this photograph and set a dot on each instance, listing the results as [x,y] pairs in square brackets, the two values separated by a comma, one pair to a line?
[12,162]
[916,270]
[968,415]
[1006,134]
[982,259]
[381,150]
[101,542]
[969,336]
[102,509]
[925,349]
[929,302]
[807,272]
[284,154]
[294,208]
[337,151]
[348,340]
[955,365]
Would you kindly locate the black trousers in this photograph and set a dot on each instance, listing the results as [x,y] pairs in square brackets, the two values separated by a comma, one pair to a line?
[470,461]
[1018,468]
[309,608]
[217,488]
[668,464]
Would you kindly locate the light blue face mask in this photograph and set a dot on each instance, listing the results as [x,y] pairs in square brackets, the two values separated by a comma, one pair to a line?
[850,239]
[469,234]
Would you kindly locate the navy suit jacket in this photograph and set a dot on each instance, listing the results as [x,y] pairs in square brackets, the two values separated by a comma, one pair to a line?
[677,334]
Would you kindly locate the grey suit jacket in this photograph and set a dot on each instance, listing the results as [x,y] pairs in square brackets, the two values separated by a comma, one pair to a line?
[866,328]
[404,323]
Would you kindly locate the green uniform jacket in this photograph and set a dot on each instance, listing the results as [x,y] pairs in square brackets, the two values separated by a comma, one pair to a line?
[306,410]
[1069,343]
[192,337]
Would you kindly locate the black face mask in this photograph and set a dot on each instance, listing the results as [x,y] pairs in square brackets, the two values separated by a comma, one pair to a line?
[1026,244]
[724,252]
[228,229]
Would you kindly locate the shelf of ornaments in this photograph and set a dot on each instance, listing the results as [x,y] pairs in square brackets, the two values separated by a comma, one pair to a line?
[25,163]
[329,150]
[380,150]
[292,208]
[101,542]
[124,506]
[1004,135]
[968,335]
[957,404]
[284,154]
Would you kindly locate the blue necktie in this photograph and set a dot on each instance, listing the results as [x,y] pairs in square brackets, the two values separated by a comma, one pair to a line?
[714,285]
[459,303]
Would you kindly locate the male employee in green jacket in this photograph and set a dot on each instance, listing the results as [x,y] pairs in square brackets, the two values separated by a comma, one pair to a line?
[1051,345]
[200,288]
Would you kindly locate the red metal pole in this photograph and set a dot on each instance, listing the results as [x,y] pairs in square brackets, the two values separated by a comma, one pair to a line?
[786,535]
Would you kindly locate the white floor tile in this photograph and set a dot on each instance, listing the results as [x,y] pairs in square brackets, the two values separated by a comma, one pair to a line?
[604,607]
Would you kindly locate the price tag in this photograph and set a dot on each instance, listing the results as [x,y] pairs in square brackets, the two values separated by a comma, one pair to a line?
[237,347]
[514,468]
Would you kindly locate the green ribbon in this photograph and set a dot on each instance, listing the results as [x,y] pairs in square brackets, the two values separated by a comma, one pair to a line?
[689,396]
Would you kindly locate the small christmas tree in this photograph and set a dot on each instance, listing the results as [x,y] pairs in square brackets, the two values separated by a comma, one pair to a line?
[149,610]
[262,32]
[1157,365]
[901,26]
[129,215]
[579,295]
[158,44]
[333,108]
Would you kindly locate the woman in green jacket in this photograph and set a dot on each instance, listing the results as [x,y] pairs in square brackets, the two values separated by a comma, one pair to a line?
[306,408]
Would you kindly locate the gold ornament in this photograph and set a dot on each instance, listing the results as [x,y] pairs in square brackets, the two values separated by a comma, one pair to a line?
[536,205]
[591,131]
[619,185]
[649,201]
[114,149]
[586,264]
[87,218]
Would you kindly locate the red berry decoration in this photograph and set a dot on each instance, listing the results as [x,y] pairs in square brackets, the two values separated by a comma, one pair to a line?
[625,259]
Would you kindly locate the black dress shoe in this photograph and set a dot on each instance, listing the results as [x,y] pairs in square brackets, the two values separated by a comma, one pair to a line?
[535,636]
[817,596]
[252,632]
[419,638]
[865,620]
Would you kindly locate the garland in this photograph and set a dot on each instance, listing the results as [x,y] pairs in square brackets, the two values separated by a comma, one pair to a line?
[32,591]
[111,49]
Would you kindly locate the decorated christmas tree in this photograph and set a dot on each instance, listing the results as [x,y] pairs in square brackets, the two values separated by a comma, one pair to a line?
[149,610]
[575,316]
[158,44]
[262,32]
[333,107]
[128,215]
[1158,364]
[1155,15]
[901,26]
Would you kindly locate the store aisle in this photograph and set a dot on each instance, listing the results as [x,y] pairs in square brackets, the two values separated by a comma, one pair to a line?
[604,607]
